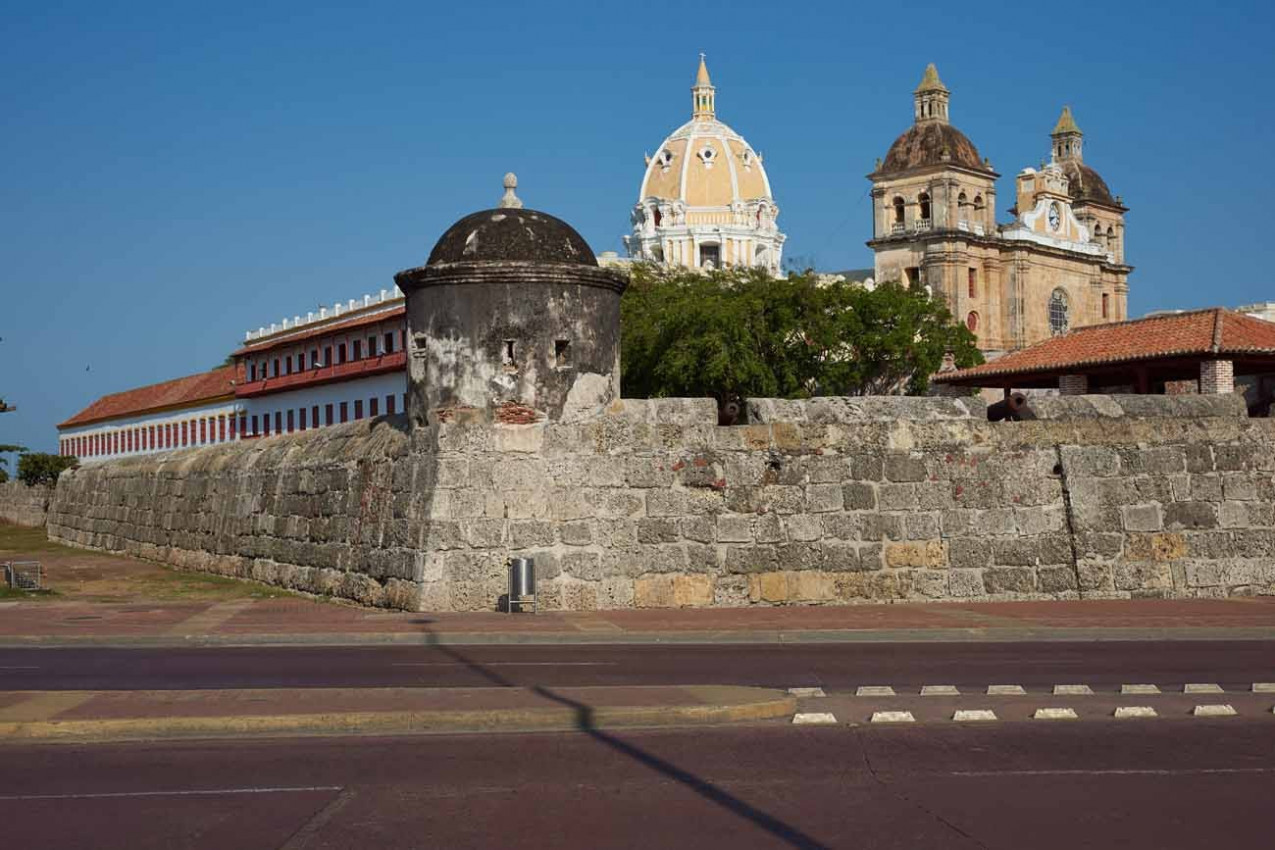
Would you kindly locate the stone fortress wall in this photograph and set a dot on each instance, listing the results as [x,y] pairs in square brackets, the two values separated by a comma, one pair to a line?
[828,501]
[23,505]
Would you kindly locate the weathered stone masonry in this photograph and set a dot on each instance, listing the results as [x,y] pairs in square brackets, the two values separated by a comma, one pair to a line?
[23,505]
[827,501]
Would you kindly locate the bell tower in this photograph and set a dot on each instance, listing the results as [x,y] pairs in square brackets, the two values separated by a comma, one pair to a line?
[1068,140]
[703,95]
[931,97]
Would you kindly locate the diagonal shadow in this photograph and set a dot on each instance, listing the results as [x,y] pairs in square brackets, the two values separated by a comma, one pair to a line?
[585,722]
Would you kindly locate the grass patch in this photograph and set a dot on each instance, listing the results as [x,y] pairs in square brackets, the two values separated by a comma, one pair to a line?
[20,540]
[9,594]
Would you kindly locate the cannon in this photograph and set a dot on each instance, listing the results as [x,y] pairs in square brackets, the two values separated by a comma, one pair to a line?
[1012,408]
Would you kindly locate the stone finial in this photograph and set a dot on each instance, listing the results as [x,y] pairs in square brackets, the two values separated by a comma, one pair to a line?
[510,201]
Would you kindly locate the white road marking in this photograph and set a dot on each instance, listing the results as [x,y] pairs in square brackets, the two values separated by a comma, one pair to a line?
[814,717]
[1264,687]
[1055,714]
[210,792]
[1202,688]
[874,691]
[807,692]
[1005,691]
[939,691]
[1073,690]
[1214,711]
[1139,689]
[893,717]
[19,668]
[1135,711]
[973,715]
[1203,771]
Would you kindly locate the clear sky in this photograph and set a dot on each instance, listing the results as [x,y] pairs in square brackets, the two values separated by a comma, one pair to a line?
[175,173]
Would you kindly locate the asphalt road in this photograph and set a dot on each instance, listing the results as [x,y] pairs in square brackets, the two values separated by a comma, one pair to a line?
[1233,664]
[1154,785]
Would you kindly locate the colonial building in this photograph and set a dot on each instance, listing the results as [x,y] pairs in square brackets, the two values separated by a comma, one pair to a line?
[705,200]
[1059,264]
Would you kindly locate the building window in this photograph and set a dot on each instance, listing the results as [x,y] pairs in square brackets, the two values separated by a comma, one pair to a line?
[185,434]
[509,357]
[278,422]
[973,289]
[1058,309]
[389,343]
[301,415]
[255,424]
[252,372]
[276,367]
[291,421]
[314,358]
[221,429]
[358,349]
[314,415]
[389,405]
[327,355]
[358,408]
[899,210]
[287,365]
[913,276]
[327,414]
[340,353]
[345,411]
[923,200]
[971,322]
[265,425]
[402,339]
[373,407]
[562,352]
[1106,305]
[371,346]
[243,425]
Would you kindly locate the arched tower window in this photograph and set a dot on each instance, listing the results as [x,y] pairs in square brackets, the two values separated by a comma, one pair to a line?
[962,207]
[1058,312]
[971,321]
[899,206]
[924,201]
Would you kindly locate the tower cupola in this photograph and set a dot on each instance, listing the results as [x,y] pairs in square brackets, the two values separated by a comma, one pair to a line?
[703,95]
[931,97]
[1068,140]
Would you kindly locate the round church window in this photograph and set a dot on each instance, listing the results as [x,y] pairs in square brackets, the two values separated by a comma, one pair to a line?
[1058,312]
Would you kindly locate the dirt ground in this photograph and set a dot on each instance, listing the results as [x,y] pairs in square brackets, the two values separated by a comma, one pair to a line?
[82,576]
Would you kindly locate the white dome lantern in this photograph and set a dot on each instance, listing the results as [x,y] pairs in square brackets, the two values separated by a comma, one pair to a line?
[705,200]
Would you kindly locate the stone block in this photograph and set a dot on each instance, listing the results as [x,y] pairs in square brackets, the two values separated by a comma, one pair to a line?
[773,587]
[1008,580]
[658,530]
[924,526]
[701,529]
[692,591]
[1145,575]
[524,533]
[1090,461]
[970,552]
[803,527]
[1095,576]
[859,496]
[878,527]
[750,559]
[841,526]
[897,497]
[1141,517]
[841,557]
[653,591]
[768,528]
[904,467]
[576,532]
[484,533]
[1190,515]
[1026,552]
[877,586]
[928,553]
[932,584]
[800,556]
[811,586]
[1056,580]
[824,498]
[1239,486]
[734,529]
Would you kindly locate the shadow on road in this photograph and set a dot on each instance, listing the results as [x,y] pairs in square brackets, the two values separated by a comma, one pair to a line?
[584,721]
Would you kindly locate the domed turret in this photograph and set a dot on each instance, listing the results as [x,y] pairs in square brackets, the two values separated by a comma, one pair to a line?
[705,198]
[511,320]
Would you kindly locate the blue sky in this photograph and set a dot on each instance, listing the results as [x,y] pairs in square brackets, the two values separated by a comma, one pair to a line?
[175,173]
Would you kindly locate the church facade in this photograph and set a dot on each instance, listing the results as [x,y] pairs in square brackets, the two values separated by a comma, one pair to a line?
[705,200]
[1059,264]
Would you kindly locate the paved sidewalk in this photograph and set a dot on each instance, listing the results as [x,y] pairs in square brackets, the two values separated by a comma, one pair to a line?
[96,716]
[306,622]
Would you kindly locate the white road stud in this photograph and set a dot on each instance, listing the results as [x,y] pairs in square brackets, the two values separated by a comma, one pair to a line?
[1005,691]
[893,717]
[1264,687]
[1055,714]
[807,692]
[1073,691]
[874,691]
[1214,711]
[939,691]
[1202,688]
[1135,711]
[814,717]
[1139,689]
[973,715]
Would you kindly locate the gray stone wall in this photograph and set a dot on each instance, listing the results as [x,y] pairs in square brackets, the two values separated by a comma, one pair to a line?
[23,505]
[830,501]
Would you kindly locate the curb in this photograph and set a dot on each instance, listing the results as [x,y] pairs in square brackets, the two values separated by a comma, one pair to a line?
[772,705]
[847,636]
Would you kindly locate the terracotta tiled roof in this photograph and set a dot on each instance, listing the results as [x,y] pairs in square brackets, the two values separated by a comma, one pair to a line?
[321,330]
[181,392]
[1215,331]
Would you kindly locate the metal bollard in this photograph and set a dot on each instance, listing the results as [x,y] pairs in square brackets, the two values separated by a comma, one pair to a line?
[522,584]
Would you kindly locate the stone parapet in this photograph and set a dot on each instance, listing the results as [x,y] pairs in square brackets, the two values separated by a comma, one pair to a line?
[839,501]
[23,505]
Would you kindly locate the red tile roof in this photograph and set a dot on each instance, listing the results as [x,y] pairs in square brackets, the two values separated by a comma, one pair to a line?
[257,347]
[181,392]
[1202,333]
[395,361]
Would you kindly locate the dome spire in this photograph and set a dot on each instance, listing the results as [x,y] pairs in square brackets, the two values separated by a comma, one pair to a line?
[703,96]
[510,201]
[1068,140]
[931,97]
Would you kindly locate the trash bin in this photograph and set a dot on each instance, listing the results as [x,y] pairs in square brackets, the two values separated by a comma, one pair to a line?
[522,583]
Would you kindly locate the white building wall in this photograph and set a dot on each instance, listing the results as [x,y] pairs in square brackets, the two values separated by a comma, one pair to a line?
[96,441]
[353,393]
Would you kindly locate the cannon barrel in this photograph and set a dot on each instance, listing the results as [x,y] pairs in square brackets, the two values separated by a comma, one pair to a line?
[1012,408]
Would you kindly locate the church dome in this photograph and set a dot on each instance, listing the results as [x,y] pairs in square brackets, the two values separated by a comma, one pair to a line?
[509,233]
[1085,184]
[705,163]
[932,144]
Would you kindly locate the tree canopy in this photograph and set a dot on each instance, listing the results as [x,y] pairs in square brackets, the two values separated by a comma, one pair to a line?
[741,332]
[40,468]
[6,448]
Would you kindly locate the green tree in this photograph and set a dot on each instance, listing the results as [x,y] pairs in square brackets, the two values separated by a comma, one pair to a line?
[741,332]
[4,461]
[40,468]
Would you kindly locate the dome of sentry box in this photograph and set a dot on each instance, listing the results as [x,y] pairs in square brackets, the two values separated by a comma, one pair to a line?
[511,320]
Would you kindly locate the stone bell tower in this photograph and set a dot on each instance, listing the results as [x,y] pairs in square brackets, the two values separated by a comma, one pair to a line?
[511,320]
